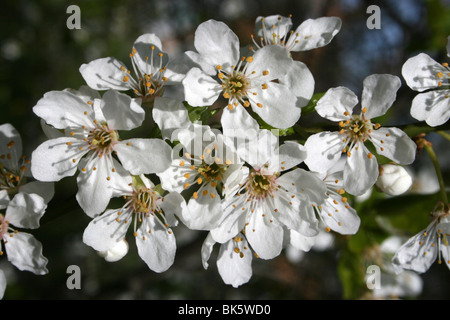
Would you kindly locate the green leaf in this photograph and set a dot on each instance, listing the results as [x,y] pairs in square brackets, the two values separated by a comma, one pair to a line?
[311,106]
[200,114]
[275,131]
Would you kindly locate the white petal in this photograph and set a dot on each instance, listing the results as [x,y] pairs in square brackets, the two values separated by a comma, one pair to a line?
[2,284]
[420,72]
[104,74]
[315,33]
[94,187]
[10,141]
[143,56]
[25,210]
[235,268]
[207,247]
[396,145]
[360,172]
[287,156]
[300,81]
[339,216]
[266,26]
[53,159]
[63,109]
[44,189]
[205,212]
[174,206]
[265,238]
[379,93]
[270,63]
[201,62]
[276,105]
[200,89]
[217,43]
[259,151]
[433,107]
[173,179]
[144,155]
[233,222]
[122,112]
[157,248]
[103,233]
[25,252]
[417,253]
[170,115]
[300,242]
[304,183]
[238,124]
[337,104]
[323,150]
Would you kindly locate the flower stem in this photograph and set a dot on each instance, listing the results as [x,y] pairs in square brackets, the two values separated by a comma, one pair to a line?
[429,148]
[446,135]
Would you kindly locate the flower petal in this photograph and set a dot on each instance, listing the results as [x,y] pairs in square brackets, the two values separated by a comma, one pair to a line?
[2,284]
[394,144]
[157,248]
[217,43]
[420,72]
[323,150]
[266,26]
[234,262]
[300,81]
[53,159]
[270,63]
[339,216]
[276,105]
[25,252]
[418,253]
[361,171]
[121,111]
[314,33]
[149,49]
[205,212]
[379,93]
[299,241]
[144,156]
[104,232]
[94,185]
[44,189]
[200,89]
[25,210]
[170,115]
[337,104]
[433,107]
[207,248]
[63,109]
[105,74]
[264,235]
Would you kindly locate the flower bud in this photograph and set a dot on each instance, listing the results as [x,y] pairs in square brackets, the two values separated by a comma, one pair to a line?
[117,252]
[393,179]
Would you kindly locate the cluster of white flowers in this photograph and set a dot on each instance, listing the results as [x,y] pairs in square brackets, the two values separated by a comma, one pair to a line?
[251,194]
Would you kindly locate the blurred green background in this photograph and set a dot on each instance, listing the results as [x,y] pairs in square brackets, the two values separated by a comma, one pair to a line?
[38,53]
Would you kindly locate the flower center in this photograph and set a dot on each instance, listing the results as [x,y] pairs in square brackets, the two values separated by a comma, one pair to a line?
[101,139]
[444,77]
[143,201]
[260,186]
[12,179]
[235,85]
[357,128]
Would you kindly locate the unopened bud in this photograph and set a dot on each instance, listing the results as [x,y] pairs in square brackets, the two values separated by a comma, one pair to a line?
[393,179]
[117,252]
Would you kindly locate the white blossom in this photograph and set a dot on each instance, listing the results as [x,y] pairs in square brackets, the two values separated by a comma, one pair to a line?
[422,250]
[248,81]
[91,143]
[151,214]
[431,79]
[393,179]
[361,168]
[150,66]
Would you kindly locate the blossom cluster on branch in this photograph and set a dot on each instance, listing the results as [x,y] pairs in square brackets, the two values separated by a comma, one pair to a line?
[221,160]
